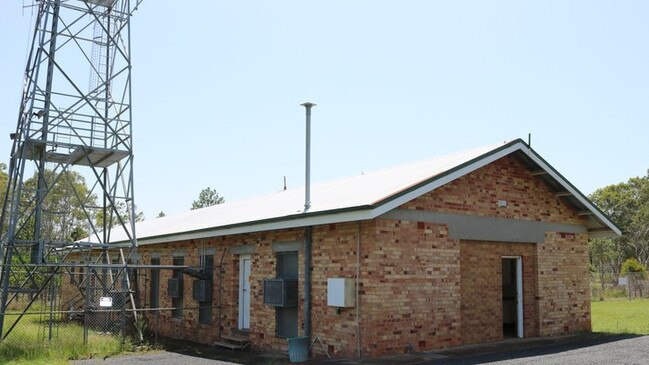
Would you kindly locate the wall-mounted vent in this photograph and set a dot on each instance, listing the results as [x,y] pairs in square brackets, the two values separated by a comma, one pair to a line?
[280,292]
[202,290]
[174,287]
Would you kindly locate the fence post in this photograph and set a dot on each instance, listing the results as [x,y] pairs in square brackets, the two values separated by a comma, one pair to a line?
[51,319]
[86,309]
[629,281]
[123,303]
[157,323]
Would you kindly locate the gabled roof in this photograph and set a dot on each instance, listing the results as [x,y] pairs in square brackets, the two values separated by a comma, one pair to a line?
[360,197]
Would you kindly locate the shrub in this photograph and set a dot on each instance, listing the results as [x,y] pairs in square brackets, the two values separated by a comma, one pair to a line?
[633,266]
[615,293]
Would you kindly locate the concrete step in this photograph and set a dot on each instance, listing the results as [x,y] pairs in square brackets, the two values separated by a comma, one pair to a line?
[234,341]
[230,345]
[235,338]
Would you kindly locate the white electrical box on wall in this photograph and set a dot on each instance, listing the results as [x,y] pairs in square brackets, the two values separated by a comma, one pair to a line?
[341,292]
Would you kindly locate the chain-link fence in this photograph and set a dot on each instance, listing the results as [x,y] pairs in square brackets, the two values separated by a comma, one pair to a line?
[89,305]
[612,285]
[76,304]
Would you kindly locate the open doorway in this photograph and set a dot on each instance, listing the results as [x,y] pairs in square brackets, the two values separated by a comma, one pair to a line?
[512,296]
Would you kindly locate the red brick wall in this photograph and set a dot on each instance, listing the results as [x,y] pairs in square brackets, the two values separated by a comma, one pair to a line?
[262,318]
[481,283]
[477,193]
[563,304]
[188,327]
[335,256]
[564,284]
[415,290]
[412,288]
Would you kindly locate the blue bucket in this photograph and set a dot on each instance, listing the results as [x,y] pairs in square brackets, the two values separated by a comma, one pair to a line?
[298,349]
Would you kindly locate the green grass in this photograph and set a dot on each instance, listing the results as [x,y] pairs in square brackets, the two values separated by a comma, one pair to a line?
[621,316]
[28,344]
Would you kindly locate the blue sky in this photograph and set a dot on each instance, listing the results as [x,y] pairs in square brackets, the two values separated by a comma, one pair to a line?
[217,87]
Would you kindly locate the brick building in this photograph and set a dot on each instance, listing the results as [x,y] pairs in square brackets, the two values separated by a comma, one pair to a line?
[465,248]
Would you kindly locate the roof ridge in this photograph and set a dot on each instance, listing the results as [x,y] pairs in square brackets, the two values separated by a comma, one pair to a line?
[339,179]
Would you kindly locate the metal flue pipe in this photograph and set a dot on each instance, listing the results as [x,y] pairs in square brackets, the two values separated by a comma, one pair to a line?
[307,182]
[308,231]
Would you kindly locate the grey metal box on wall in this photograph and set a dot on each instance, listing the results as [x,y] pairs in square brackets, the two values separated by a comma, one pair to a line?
[202,290]
[341,292]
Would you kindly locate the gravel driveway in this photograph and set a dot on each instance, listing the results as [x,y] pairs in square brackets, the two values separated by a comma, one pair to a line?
[156,358]
[584,350]
[625,351]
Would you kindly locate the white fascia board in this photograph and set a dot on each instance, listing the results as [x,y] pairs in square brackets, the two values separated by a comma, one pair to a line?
[566,185]
[268,226]
[519,146]
[384,208]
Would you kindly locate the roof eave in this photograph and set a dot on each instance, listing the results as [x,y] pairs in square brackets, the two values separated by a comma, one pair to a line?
[607,223]
[357,213]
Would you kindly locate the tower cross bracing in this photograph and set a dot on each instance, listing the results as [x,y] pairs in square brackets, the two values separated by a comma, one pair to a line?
[74,124]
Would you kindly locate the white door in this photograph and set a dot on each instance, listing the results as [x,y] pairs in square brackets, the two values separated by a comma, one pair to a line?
[245,262]
[519,296]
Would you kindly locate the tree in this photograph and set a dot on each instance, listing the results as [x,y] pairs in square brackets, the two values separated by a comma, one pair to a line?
[161,214]
[633,266]
[627,204]
[3,182]
[78,233]
[635,273]
[62,219]
[604,257]
[206,198]
[4,178]
[121,209]
[64,207]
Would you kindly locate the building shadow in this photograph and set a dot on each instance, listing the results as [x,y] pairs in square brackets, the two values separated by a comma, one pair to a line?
[510,349]
[521,349]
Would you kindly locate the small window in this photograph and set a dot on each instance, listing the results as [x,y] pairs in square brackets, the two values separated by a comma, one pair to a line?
[177,303]
[287,265]
[205,307]
[154,289]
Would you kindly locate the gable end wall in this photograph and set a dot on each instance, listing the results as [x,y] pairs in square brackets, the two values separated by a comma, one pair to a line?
[414,269]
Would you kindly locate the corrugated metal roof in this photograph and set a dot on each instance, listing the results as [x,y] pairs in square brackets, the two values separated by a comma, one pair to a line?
[361,192]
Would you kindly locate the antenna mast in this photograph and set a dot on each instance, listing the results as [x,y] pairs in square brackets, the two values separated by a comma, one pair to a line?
[71,128]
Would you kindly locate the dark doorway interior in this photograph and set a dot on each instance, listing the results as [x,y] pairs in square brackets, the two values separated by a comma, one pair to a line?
[510,313]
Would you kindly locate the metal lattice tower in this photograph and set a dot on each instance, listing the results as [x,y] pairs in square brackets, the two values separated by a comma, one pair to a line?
[71,125]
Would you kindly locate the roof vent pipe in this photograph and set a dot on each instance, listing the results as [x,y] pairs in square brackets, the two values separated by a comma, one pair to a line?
[307,182]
